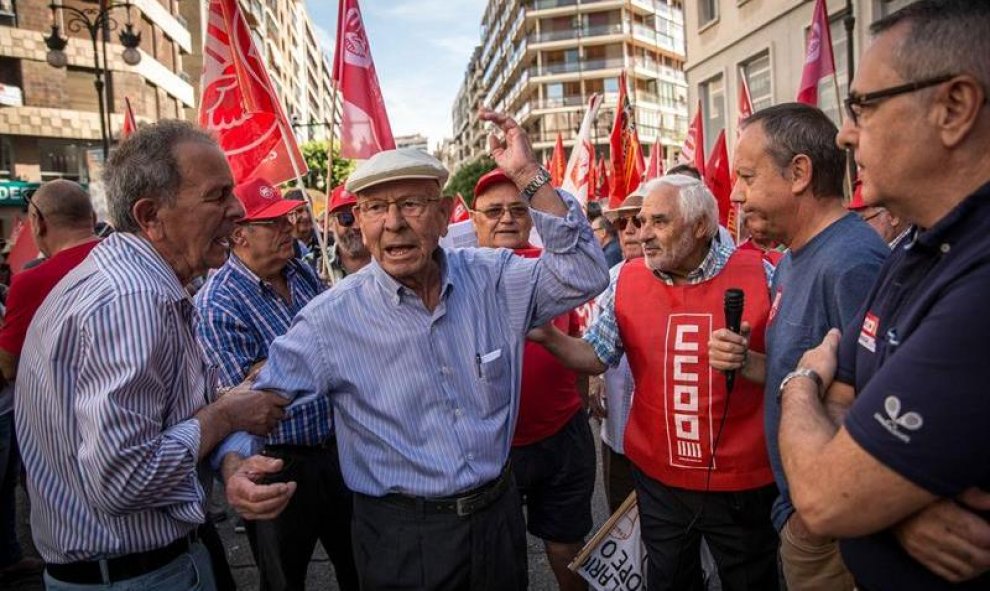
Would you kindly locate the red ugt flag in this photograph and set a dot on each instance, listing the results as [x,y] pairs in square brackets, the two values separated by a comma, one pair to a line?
[818,59]
[130,123]
[239,104]
[693,151]
[364,126]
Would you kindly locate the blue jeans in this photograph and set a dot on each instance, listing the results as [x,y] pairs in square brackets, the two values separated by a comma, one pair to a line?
[191,571]
[10,468]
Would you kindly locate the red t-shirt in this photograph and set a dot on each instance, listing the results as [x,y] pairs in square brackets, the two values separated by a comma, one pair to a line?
[29,289]
[549,390]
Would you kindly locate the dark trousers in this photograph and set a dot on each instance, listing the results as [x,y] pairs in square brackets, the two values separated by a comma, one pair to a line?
[736,526]
[404,548]
[320,510]
[10,470]
[617,476]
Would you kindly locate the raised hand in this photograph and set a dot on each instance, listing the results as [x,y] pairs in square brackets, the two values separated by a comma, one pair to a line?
[512,152]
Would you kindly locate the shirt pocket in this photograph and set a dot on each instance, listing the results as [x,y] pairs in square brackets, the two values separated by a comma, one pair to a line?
[496,380]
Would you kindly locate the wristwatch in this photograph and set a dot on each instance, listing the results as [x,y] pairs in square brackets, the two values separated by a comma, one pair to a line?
[803,372]
[542,177]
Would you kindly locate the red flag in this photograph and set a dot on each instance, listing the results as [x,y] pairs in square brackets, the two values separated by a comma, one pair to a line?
[130,123]
[24,249]
[239,104]
[693,151]
[558,163]
[460,213]
[364,126]
[718,181]
[655,168]
[628,165]
[604,183]
[819,61]
[745,105]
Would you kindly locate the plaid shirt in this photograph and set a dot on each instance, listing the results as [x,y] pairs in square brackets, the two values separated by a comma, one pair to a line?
[603,334]
[240,316]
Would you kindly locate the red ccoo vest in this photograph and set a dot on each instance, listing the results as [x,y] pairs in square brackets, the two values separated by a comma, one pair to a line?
[679,398]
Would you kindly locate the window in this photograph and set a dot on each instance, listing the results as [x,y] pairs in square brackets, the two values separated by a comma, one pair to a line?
[61,159]
[759,81]
[891,6]
[712,94]
[611,85]
[828,97]
[6,158]
[707,11]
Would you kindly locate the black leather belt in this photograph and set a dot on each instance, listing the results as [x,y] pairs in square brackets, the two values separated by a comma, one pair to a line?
[463,505]
[120,568]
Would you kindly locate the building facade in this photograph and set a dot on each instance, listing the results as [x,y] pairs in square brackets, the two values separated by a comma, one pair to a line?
[763,42]
[540,61]
[415,140]
[49,116]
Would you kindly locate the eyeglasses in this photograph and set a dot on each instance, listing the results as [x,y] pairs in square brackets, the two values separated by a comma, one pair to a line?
[409,207]
[622,222]
[37,210]
[856,102]
[496,212]
[344,218]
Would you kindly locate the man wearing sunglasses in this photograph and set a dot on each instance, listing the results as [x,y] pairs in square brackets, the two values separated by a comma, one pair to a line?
[248,303]
[907,371]
[553,453]
[350,254]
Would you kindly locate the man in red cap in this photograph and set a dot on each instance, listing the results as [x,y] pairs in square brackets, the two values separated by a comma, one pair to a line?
[553,453]
[890,227]
[243,307]
[349,254]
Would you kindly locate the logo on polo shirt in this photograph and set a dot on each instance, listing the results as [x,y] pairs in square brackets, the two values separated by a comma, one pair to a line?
[895,422]
[868,335]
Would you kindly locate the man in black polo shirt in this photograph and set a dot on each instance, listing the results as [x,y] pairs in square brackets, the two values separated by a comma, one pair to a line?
[914,446]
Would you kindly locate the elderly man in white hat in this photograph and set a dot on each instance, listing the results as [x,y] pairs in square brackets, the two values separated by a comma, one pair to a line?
[419,354]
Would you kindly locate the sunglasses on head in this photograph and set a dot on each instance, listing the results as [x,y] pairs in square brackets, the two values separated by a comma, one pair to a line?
[622,222]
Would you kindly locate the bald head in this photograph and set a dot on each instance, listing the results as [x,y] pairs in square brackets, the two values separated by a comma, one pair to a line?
[64,204]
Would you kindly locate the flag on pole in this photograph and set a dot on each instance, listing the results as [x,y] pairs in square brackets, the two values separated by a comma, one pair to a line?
[24,249]
[655,168]
[615,557]
[719,182]
[579,177]
[819,61]
[558,163]
[460,213]
[130,123]
[364,127]
[239,103]
[693,152]
[627,161]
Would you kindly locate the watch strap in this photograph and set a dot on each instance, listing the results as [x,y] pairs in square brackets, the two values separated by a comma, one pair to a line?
[542,177]
[803,372]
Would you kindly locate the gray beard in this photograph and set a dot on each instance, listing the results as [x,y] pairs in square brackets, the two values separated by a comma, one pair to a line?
[351,244]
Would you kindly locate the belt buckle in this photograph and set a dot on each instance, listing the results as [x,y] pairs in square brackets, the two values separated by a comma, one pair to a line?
[465,506]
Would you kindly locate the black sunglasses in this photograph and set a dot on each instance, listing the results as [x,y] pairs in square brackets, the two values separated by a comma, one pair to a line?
[621,223]
[344,218]
[855,102]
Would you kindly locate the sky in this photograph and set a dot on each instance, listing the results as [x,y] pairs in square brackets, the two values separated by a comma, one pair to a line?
[420,48]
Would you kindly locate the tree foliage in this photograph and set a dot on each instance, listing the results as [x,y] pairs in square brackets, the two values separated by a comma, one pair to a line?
[467,176]
[315,154]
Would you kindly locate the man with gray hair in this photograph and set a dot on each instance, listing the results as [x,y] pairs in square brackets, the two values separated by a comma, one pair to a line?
[696,443]
[790,180]
[907,372]
[115,403]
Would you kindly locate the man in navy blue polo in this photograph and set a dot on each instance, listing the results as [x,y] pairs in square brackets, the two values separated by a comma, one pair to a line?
[913,449]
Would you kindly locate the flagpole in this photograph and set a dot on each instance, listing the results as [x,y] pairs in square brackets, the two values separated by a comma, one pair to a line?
[325,228]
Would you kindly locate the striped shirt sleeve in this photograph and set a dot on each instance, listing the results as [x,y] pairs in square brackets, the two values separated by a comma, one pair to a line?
[128,460]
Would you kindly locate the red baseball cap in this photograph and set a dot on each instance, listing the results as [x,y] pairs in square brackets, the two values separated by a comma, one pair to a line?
[857,203]
[491,178]
[341,197]
[262,201]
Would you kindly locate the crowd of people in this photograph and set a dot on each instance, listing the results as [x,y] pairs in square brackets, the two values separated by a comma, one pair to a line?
[417,409]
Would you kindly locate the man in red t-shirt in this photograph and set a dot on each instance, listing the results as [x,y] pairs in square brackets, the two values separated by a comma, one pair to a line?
[62,224]
[553,454]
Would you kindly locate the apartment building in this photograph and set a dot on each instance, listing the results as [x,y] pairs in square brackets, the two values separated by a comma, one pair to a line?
[540,61]
[763,41]
[415,140]
[49,116]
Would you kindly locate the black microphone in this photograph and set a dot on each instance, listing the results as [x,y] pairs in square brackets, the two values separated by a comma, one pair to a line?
[734,298]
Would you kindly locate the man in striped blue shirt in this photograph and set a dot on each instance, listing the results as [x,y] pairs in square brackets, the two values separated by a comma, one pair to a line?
[420,355]
[115,404]
[243,307]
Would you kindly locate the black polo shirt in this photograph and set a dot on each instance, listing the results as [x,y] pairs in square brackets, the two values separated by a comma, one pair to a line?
[918,355]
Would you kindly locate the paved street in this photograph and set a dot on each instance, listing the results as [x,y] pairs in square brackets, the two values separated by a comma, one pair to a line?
[320,570]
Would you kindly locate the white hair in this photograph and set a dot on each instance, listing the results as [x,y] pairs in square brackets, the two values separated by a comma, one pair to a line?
[696,202]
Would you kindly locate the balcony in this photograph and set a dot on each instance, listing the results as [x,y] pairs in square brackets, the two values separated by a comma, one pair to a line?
[584,32]
[546,4]
[572,67]
[560,101]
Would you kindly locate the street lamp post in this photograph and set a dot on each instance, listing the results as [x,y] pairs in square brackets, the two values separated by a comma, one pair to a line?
[94,21]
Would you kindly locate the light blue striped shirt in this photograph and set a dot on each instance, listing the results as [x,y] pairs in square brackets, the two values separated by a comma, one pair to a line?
[239,317]
[109,379]
[425,403]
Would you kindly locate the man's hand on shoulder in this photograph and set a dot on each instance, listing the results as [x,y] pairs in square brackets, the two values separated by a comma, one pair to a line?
[246,491]
[949,539]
